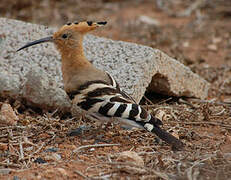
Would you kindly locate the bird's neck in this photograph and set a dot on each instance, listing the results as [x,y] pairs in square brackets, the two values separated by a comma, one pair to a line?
[73,63]
[77,70]
[74,59]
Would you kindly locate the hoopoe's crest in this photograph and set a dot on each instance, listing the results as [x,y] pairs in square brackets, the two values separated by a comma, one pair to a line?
[81,27]
[70,36]
[94,90]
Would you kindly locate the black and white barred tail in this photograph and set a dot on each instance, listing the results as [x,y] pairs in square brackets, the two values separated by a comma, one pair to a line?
[108,100]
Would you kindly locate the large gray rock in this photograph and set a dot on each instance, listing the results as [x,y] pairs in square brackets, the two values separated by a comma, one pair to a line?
[134,66]
[9,84]
[39,89]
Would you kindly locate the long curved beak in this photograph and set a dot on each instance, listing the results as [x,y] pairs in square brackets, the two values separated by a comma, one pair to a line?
[46,39]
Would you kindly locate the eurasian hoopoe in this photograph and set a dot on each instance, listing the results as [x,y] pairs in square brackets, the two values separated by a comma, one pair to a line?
[94,90]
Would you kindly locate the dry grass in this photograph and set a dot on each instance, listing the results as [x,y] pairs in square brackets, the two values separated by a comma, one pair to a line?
[37,138]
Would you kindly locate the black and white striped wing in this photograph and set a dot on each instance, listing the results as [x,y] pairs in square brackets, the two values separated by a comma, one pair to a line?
[98,97]
[115,84]
[106,100]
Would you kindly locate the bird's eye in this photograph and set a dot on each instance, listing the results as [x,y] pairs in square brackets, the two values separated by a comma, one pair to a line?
[64,36]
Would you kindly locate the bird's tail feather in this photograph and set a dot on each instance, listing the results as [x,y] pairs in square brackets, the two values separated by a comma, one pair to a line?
[170,139]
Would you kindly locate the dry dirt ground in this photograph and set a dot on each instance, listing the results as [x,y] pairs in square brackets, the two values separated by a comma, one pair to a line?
[197,33]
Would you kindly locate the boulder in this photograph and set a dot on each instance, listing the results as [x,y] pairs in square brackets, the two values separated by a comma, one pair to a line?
[35,74]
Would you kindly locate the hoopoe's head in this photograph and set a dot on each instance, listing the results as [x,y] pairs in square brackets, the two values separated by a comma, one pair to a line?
[69,36]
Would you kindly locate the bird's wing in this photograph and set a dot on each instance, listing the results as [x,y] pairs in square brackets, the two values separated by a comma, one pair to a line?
[109,101]
[115,84]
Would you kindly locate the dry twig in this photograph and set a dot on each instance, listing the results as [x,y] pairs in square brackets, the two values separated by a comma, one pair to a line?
[139,169]
[208,101]
[205,122]
[10,164]
[40,147]
[21,151]
[81,174]
[94,145]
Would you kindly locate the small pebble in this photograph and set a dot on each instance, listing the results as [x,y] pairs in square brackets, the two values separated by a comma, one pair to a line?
[212,47]
[216,40]
[56,156]
[131,156]
[149,20]
[51,149]
[40,160]
[161,115]
[186,44]
[7,115]
[62,171]
[78,131]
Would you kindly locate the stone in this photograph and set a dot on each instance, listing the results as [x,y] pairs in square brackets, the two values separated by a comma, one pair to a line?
[216,40]
[56,156]
[148,20]
[161,115]
[130,156]
[62,171]
[53,157]
[170,77]
[137,68]
[51,149]
[42,91]
[212,47]
[40,160]
[9,84]
[7,115]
